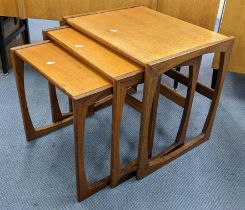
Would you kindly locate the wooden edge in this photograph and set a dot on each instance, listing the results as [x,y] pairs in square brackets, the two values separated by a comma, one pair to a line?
[215,63]
[132,74]
[15,49]
[133,79]
[163,65]
[105,89]
[45,31]
[97,12]
[193,50]
[187,63]
[56,28]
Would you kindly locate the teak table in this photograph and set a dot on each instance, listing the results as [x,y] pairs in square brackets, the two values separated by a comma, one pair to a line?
[102,56]
[82,84]
[159,43]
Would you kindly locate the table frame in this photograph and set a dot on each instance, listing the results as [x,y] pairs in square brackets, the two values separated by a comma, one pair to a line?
[145,164]
[153,72]
[80,112]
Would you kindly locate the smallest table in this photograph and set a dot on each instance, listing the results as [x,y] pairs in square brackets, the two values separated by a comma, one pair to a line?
[159,43]
[81,83]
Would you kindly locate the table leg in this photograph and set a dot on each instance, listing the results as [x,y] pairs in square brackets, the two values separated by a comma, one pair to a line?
[80,114]
[150,88]
[84,189]
[119,95]
[224,60]
[80,111]
[153,120]
[192,82]
[120,90]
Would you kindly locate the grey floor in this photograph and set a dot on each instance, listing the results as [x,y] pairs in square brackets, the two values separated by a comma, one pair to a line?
[41,174]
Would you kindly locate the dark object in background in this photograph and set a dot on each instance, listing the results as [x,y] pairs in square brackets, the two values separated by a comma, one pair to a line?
[13,32]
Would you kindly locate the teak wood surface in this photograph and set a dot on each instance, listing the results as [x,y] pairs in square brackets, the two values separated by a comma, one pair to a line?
[160,43]
[53,62]
[108,62]
[144,35]
[233,24]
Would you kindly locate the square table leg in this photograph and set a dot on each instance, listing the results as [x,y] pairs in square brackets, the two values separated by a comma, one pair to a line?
[120,90]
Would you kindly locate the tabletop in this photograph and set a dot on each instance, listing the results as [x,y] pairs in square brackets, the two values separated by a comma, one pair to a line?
[144,35]
[105,60]
[67,73]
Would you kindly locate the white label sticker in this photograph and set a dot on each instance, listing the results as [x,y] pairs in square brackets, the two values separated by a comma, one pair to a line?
[114,30]
[50,62]
[79,46]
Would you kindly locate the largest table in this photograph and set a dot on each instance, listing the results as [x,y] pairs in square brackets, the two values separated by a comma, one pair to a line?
[159,43]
